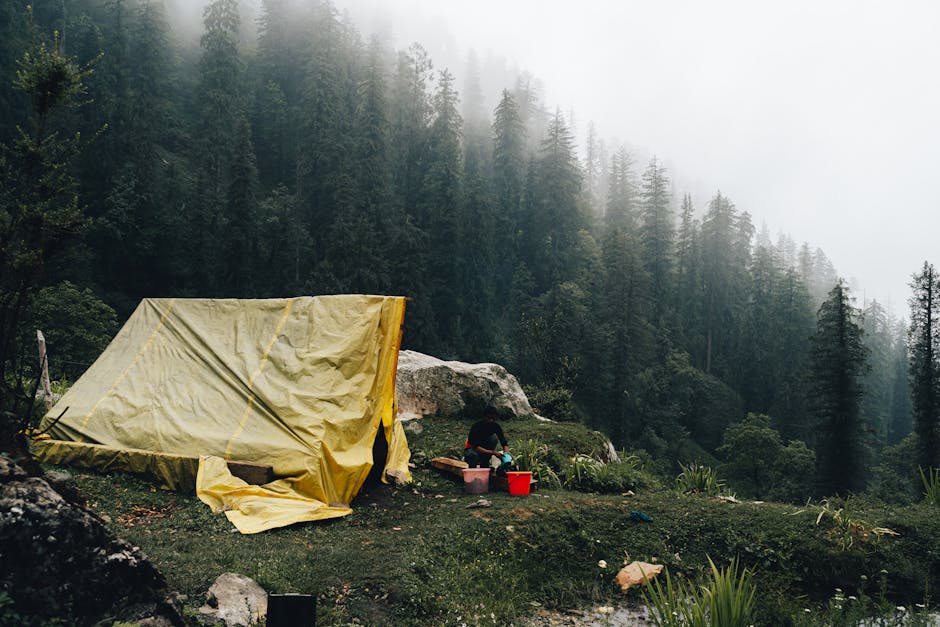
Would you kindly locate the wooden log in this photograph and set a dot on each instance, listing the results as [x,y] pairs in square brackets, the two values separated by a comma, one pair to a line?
[255,474]
[452,466]
[44,369]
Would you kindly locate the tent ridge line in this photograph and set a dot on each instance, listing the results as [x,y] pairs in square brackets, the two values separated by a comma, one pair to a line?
[254,375]
[163,316]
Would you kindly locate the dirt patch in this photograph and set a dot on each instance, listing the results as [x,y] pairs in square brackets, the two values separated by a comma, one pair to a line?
[143,515]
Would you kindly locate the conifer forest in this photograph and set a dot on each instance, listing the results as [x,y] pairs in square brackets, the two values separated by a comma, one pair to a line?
[283,153]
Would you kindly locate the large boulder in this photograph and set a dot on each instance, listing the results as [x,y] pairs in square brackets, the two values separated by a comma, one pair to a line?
[59,561]
[454,389]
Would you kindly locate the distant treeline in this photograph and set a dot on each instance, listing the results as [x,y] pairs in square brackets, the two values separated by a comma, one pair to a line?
[310,161]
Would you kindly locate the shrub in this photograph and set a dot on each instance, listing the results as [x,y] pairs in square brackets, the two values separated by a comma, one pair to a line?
[532,455]
[588,474]
[759,465]
[725,599]
[695,479]
[931,482]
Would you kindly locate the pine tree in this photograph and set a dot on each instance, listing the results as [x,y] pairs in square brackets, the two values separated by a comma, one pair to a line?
[876,405]
[219,106]
[688,300]
[558,214]
[284,41]
[409,120]
[794,325]
[899,422]
[379,215]
[14,38]
[657,237]
[138,236]
[839,362]
[625,304]
[437,213]
[722,281]
[508,179]
[757,362]
[595,178]
[40,212]
[924,348]
[241,222]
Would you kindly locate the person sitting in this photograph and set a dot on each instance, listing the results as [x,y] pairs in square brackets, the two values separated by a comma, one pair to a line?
[482,441]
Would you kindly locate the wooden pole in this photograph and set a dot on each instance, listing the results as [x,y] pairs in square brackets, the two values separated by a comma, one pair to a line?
[44,368]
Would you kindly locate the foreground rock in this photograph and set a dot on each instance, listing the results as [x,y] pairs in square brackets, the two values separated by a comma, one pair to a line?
[57,560]
[454,389]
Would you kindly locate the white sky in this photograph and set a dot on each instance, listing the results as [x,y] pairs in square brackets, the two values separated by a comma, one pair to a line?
[821,118]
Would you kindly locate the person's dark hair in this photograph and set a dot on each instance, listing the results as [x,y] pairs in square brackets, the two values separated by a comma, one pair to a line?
[489,411]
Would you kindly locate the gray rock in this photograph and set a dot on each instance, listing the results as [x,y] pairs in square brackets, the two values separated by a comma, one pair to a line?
[426,385]
[58,560]
[234,600]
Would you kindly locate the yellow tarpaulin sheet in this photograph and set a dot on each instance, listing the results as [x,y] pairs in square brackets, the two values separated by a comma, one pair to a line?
[300,384]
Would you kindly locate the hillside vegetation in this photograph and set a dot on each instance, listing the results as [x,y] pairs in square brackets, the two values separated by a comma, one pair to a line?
[416,555]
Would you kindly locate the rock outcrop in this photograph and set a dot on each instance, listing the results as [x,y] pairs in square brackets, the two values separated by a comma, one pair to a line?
[58,560]
[454,389]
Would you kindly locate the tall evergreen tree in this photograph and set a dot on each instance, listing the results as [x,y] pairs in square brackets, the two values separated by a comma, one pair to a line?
[410,118]
[625,305]
[595,159]
[284,41]
[722,281]
[378,215]
[878,382]
[438,213]
[219,106]
[657,236]
[241,232]
[794,326]
[558,213]
[899,422]
[924,349]
[509,172]
[40,212]
[325,169]
[688,299]
[138,235]
[758,332]
[839,362]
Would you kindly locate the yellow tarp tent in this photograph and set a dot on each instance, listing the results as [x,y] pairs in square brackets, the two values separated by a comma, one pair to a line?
[299,384]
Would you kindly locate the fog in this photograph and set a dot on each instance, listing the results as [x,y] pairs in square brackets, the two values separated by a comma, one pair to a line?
[820,119]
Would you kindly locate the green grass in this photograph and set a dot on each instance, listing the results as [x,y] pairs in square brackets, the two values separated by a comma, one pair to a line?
[418,556]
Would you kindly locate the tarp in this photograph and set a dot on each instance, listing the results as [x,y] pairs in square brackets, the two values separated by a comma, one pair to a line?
[300,384]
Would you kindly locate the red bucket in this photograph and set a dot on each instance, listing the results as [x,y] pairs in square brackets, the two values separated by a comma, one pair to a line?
[519,482]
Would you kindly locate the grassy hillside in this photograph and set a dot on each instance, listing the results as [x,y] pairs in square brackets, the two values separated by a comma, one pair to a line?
[418,556]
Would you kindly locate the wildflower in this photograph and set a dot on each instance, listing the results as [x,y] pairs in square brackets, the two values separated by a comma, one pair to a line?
[920,606]
[852,598]
[605,609]
[901,608]
[601,564]
[807,610]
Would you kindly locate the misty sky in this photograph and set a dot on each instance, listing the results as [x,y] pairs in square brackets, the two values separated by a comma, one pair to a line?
[822,119]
